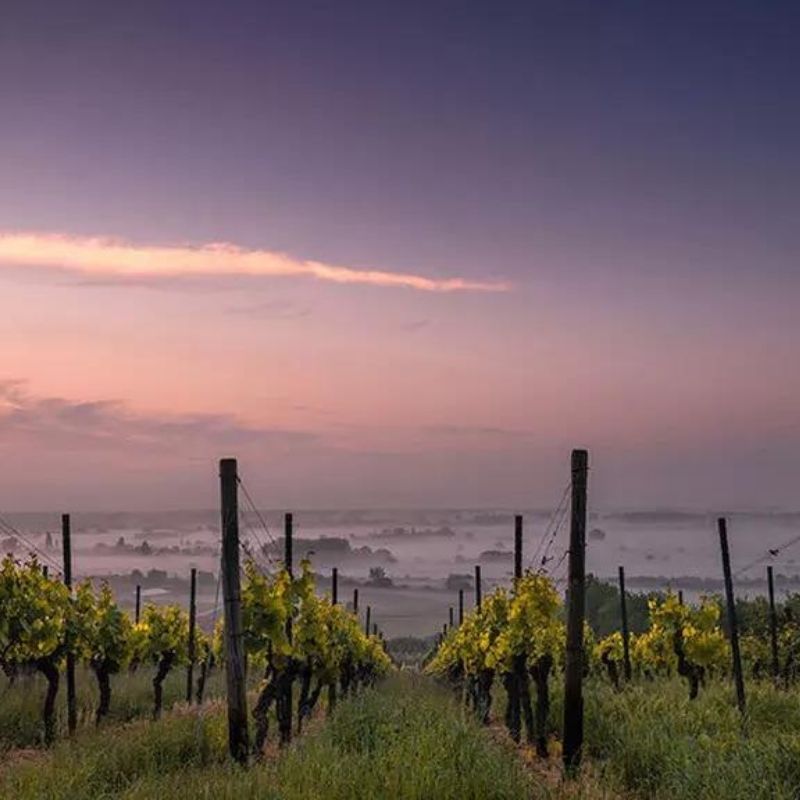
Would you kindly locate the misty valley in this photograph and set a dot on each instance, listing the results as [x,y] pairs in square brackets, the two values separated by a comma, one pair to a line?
[409,564]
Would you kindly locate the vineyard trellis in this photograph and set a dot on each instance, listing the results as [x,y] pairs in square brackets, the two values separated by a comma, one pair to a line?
[289,632]
[518,636]
[275,623]
[513,635]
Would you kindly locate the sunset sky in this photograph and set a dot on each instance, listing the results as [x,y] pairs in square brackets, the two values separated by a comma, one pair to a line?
[399,254]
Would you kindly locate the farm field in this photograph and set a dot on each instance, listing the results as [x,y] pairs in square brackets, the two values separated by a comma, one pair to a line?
[610,694]
[408,738]
[412,732]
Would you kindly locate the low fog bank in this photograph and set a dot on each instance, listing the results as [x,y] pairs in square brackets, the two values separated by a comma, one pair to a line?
[409,565]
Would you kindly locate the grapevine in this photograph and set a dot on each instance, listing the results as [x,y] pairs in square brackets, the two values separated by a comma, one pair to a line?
[289,632]
[686,638]
[517,635]
[326,644]
[34,614]
[162,637]
[103,635]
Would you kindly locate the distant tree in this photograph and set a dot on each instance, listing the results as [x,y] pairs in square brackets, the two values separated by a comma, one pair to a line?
[378,577]
[603,608]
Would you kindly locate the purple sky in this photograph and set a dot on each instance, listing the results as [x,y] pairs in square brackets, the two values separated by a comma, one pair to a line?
[627,173]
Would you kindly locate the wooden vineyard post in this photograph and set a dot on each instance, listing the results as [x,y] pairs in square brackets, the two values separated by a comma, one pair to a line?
[477,586]
[516,681]
[451,617]
[138,604]
[626,634]
[192,625]
[334,601]
[288,543]
[460,607]
[285,708]
[731,604]
[773,625]
[72,705]
[680,597]
[374,628]
[355,601]
[573,668]
[238,739]
[369,614]
[517,547]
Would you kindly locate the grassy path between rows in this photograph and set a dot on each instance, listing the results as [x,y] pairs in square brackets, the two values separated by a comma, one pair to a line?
[403,740]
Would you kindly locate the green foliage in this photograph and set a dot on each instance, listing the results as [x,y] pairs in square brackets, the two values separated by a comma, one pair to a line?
[266,607]
[525,623]
[163,632]
[40,623]
[104,634]
[323,634]
[33,615]
[683,638]
[610,648]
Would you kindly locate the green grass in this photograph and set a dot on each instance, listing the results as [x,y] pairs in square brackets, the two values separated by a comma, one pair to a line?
[132,697]
[409,739]
[406,739]
[653,741]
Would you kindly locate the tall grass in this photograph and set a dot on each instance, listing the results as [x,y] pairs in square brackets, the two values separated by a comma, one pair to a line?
[409,739]
[652,740]
[132,697]
[404,740]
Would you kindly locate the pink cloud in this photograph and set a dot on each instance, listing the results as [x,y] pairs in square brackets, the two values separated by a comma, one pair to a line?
[104,257]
